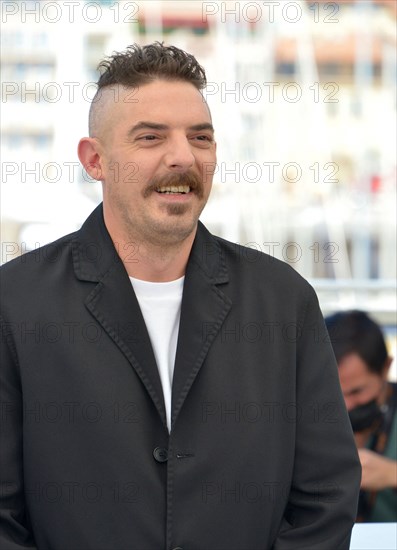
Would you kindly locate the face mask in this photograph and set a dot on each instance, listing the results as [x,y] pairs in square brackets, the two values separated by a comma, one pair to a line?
[364,416]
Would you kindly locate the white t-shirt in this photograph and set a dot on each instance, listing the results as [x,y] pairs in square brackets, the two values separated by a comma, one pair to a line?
[160,304]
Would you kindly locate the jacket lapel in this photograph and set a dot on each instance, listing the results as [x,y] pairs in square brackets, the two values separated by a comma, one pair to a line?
[204,309]
[114,305]
[113,302]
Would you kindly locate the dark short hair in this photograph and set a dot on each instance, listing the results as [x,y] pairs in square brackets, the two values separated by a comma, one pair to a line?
[355,332]
[139,65]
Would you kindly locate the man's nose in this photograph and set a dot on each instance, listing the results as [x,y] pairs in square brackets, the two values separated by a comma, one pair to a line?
[179,155]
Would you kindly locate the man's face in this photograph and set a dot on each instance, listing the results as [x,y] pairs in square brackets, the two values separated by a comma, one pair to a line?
[359,385]
[158,159]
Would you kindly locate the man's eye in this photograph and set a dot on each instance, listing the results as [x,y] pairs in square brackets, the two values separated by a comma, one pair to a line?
[203,138]
[147,137]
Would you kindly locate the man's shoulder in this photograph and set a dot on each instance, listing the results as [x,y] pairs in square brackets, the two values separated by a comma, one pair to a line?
[55,254]
[43,257]
[253,261]
[34,281]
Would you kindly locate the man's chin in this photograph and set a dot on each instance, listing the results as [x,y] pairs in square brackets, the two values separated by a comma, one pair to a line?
[175,230]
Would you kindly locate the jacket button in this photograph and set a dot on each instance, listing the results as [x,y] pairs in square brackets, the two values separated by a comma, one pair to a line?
[160,454]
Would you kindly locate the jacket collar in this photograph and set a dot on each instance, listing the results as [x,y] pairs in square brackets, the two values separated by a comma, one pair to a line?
[94,253]
[114,305]
[93,250]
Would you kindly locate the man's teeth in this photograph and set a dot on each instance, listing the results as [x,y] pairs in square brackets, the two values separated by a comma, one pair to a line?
[174,189]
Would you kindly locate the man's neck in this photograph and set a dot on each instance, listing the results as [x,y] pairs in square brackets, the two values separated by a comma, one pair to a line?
[154,262]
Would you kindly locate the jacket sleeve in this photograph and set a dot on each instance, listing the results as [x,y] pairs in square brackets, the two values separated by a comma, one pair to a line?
[15,533]
[322,504]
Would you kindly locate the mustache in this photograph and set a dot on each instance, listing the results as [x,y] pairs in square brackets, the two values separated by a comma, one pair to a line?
[187,178]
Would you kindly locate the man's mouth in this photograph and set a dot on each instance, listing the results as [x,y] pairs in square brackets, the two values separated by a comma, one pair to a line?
[171,189]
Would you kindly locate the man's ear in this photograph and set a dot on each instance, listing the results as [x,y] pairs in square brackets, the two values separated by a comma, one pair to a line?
[88,151]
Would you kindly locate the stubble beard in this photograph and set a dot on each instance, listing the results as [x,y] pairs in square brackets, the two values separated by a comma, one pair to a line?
[174,230]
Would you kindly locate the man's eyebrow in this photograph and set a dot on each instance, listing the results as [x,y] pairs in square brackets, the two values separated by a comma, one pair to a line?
[146,125]
[203,126]
[143,125]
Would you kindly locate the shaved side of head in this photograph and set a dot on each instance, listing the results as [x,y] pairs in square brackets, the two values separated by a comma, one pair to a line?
[102,111]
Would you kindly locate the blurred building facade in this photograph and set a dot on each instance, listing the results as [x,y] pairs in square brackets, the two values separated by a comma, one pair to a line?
[303,100]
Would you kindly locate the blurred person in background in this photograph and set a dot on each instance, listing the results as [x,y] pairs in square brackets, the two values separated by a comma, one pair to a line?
[371,400]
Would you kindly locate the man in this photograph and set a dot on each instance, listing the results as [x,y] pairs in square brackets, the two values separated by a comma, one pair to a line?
[371,400]
[163,388]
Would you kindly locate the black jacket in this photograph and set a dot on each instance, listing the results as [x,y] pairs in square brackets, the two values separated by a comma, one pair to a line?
[261,453]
